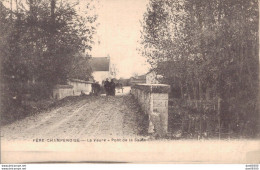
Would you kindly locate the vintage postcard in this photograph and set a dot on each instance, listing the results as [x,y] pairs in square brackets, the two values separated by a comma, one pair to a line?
[129,81]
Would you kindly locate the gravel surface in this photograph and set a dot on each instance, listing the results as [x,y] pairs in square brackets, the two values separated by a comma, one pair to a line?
[90,116]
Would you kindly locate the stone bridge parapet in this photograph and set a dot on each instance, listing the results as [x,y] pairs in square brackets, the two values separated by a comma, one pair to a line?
[62,91]
[153,99]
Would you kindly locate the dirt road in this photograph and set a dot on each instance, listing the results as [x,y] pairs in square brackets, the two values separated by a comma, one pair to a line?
[90,116]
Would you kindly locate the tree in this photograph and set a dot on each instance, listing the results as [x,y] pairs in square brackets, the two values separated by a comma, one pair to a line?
[40,42]
[206,46]
[80,68]
[47,35]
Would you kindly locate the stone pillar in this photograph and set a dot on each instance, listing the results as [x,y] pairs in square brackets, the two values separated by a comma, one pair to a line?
[153,99]
[160,112]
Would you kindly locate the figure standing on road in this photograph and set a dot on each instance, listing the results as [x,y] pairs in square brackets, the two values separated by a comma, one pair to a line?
[93,88]
[98,88]
[106,86]
[112,88]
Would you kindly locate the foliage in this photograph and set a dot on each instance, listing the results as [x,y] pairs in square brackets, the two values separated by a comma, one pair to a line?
[41,42]
[80,68]
[206,49]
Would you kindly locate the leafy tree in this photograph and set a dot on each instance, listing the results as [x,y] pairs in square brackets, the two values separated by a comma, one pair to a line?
[40,42]
[206,49]
[46,37]
[80,68]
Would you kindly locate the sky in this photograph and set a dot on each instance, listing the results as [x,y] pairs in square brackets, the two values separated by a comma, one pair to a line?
[118,33]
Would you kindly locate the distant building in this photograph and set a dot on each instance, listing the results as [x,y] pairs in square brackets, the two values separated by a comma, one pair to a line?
[101,67]
[124,81]
[138,80]
[148,78]
[152,78]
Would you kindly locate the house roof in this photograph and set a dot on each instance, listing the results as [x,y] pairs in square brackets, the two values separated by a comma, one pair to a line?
[152,71]
[100,63]
[141,77]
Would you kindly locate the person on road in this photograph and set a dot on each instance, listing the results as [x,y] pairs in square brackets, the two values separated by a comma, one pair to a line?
[107,86]
[112,88]
[93,87]
[97,88]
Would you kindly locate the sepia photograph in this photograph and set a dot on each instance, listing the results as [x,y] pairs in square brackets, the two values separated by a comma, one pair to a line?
[129,81]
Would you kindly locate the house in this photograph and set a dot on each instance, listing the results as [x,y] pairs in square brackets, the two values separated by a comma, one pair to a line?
[102,68]
[148,78]
[152,77]
[124,81]
[138,80]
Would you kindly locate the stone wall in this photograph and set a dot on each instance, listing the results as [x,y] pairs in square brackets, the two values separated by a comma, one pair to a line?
[80,86]
[153,99]
[62,91]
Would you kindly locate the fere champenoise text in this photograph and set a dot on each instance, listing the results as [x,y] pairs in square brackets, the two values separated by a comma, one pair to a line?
[90,140]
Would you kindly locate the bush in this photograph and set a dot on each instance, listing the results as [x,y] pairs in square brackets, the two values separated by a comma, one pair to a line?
[200,119]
